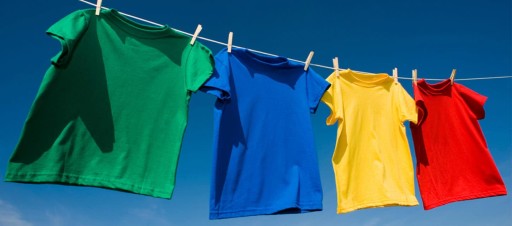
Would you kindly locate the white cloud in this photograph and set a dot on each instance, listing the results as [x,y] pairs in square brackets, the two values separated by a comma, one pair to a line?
[372,222]
[10,216]
[54,219]
[149,216]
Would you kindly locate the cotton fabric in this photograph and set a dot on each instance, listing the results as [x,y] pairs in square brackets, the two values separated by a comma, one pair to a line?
[453,161]
[264,157]
[372,161]
[112,108]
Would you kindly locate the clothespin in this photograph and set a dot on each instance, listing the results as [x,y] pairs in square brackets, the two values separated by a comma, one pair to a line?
[198,29]
[414,76]
[452,77]
[230,41]
[308,61]
[336,65]
[98,7]
[395,74]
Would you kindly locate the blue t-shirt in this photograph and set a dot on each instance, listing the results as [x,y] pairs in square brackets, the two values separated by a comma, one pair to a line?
[264,159]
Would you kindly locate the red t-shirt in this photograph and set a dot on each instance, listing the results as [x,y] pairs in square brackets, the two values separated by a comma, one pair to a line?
[453,161]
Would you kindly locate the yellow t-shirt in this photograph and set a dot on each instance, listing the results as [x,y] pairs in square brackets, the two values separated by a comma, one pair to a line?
[372,161]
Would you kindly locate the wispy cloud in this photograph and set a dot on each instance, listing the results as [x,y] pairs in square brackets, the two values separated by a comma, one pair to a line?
[151,215]
[372,222]
[54,219]
[11,216]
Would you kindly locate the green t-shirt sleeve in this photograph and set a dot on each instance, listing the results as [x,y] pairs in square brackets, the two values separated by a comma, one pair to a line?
[199,66]
[68,31]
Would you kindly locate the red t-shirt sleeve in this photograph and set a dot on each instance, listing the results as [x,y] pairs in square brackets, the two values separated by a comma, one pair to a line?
[420,105]
[474,101]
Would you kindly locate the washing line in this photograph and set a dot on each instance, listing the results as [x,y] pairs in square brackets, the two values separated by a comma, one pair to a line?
[274,55]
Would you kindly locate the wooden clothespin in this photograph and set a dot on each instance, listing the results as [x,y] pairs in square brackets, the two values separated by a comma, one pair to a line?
[452,76]
[414,76]
[98,7]
[308,60]
[395,74]
[196,33]
[336,65]
[230,41]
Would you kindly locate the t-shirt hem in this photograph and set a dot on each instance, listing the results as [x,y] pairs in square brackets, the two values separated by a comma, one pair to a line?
[378,204]
[478,195]
[302,208]
[80,180]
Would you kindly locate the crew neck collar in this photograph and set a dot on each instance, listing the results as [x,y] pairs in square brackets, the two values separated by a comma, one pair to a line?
[132,27]
[366,80]
[437,88]
[265,60]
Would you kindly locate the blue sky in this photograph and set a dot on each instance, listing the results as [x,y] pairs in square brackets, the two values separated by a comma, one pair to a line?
[375,36]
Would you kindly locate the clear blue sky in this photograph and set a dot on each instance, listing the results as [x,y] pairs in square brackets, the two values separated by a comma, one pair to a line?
[433,36]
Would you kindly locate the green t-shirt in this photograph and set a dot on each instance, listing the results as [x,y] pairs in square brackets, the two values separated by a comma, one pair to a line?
[112,109]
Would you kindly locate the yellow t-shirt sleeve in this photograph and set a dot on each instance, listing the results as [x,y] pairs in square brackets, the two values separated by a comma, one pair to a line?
[407,106]
[332,98]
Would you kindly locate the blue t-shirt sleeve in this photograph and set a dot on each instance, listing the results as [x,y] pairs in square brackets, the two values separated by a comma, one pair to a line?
[218,83]
[316,87]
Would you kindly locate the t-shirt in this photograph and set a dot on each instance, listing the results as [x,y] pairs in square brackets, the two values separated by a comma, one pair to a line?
[372,160]
[265,160]
[112,108]
[453,161]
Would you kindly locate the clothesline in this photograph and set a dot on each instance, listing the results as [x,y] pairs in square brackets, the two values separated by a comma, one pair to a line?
[291,59]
